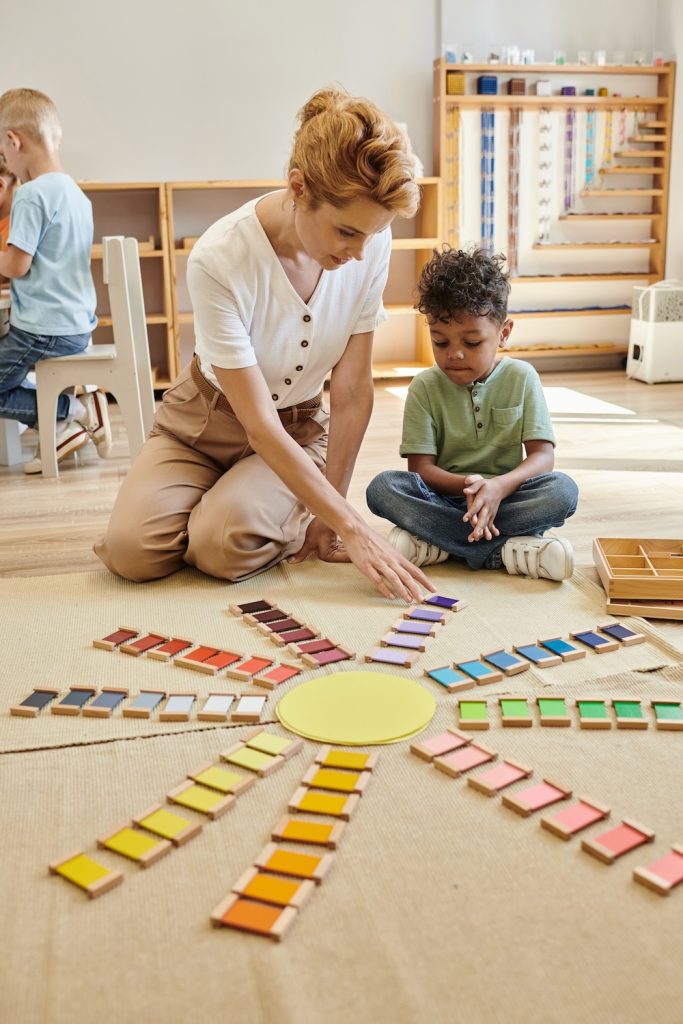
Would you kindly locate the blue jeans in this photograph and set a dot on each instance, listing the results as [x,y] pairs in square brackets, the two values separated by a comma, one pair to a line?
[404,499]
[19,353]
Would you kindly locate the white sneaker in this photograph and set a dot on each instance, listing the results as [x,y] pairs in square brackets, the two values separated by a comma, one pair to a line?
[417,551]
[96,421]
[69,439]
[550,558]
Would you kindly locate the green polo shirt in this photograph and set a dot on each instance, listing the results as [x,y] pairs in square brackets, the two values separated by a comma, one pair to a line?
[480,428]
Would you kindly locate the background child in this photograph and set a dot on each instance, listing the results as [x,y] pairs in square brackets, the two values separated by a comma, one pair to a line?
[48,264]
[478,437]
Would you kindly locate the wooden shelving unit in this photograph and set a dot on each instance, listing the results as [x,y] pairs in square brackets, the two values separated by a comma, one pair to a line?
[526,314]
[194,205]
[137,209]
[621,217]
[602,259]
[402,345]
[545,351]
[631,170]
[612,193]
[537,102]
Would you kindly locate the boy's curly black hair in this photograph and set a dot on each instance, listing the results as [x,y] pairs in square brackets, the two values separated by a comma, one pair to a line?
[457,283]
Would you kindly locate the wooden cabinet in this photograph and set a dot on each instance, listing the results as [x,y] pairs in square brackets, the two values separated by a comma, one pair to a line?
[168,217]
[402,345]
[401,342]
[193,206]
[137,209]
[603,175]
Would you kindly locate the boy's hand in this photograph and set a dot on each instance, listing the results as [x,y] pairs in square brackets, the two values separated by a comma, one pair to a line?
[483,499]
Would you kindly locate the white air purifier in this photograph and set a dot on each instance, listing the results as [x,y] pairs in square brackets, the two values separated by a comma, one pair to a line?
[655,348]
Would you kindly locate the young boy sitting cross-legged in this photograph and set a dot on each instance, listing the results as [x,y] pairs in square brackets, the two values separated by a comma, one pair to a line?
[478,438]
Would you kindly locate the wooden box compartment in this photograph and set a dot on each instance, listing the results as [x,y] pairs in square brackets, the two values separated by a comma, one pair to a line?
[647,609]
[640,568]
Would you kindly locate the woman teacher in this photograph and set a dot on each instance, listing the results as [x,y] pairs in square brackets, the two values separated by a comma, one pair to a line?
[285,290]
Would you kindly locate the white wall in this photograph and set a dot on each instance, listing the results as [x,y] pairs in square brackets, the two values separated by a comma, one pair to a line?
[166,89]
[547,25]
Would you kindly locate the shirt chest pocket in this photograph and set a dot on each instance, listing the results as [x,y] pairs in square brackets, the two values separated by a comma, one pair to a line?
[507,424]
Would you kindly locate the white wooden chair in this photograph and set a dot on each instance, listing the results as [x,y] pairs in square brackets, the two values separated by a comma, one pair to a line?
[122,368]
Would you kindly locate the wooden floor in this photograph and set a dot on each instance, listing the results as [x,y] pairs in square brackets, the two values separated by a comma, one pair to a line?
[628,466]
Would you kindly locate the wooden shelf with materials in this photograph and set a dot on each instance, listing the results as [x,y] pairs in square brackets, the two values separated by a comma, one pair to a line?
[626,261]
[636,169]
[550,314]
[493,100]
[387,371]
[136,209]
[620,217]
[641,70]
[612,193]
[567,246]
[572,278]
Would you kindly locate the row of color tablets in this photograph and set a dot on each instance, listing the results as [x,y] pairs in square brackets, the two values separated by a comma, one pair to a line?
[410,635]
[490,667]
[280,626]
[79,698]
[267,898]
[454,753]
[210,790]
[303,641]
[174,707]
[554,711]
[199,657]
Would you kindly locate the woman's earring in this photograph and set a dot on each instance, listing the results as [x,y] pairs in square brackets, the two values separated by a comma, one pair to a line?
[293,205]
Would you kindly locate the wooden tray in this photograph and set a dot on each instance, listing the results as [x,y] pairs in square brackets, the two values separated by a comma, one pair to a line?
[640,569]
[646,609]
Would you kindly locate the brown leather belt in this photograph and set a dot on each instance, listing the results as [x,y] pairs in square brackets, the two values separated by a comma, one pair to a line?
[292,414]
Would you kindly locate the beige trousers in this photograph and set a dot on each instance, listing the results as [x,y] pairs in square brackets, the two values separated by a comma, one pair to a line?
[198,494]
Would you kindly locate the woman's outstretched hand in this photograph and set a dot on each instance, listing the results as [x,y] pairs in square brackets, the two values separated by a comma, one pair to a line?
[392,574]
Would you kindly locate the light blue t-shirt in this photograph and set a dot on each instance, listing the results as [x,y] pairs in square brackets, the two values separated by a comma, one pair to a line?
[51,219]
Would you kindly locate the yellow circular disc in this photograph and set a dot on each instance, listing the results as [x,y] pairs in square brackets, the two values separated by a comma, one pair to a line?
[357,708]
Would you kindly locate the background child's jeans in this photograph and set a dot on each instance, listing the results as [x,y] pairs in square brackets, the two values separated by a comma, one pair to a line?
[19,352]
[404,498]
